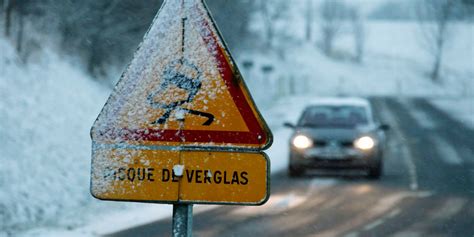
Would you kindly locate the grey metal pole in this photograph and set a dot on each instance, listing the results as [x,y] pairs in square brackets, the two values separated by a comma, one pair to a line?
[182,220]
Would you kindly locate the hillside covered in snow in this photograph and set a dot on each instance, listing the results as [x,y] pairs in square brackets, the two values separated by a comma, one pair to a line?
[48,105]
[46,110]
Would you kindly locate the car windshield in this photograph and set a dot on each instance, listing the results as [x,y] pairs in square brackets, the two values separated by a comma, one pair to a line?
[333,116]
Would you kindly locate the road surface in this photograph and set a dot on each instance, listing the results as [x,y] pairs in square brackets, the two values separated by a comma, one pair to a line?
[427,189]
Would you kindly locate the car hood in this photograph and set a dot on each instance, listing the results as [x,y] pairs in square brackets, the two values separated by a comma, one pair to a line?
[341,134]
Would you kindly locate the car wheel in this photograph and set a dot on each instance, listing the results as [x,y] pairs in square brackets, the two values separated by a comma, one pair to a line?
[295,171]
[375,170]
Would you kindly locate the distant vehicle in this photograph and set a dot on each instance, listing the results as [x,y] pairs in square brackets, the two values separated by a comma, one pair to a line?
[337,133]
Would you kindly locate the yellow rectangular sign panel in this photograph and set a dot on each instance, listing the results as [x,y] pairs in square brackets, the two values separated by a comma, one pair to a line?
[167,176]
[122,174]
[224,177]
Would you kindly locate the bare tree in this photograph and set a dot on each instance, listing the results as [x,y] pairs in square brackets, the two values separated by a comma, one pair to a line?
[98,35]
[333,13]
[23,8]
[434,18]
[309,20]
[103,33]
[272,11]
[15,12]
[359,33]
[9,6]
[21,29]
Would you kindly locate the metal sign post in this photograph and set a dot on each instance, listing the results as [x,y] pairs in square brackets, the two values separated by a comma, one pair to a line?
[182,220]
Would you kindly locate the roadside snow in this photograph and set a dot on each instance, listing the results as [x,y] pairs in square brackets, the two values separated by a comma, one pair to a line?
[461,109]
[46,110]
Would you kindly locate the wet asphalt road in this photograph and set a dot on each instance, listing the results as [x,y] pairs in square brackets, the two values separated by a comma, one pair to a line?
[427,189]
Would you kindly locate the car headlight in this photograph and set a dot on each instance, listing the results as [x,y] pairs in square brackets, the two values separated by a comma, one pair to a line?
[364,143]
[302,142]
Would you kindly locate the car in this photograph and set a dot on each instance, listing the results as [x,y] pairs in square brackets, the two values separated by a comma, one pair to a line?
[337,134]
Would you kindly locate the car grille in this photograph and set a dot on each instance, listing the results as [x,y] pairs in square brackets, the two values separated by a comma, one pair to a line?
[346,143]
[320,143]
[339,143]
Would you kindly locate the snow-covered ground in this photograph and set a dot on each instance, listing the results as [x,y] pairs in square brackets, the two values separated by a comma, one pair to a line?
[461,109]
[46,109]
[48,106]
[395,64]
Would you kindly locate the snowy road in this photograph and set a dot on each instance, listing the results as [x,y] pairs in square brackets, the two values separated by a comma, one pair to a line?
[427,189]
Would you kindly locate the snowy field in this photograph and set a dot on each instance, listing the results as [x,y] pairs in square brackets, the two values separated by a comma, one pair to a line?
[48,106]
[395,64]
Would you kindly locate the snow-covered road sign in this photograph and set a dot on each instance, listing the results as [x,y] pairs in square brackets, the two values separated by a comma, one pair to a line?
[168,176]
[182,88]
[181,103]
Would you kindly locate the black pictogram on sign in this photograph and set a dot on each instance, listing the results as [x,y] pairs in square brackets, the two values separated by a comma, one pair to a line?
[183,75]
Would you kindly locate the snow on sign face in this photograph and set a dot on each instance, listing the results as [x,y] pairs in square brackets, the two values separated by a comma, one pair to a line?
[167,176]
[182,89]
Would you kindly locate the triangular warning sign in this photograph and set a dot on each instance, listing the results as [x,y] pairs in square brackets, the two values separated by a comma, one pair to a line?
[182,88]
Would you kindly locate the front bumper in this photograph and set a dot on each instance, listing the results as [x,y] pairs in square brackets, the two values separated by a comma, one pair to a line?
[348,158]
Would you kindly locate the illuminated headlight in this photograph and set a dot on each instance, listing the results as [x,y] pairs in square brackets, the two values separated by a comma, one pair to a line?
[302,142]
[364,143]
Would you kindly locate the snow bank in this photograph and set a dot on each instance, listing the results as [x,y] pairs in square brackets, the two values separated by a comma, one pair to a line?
[46,110]
[461,109]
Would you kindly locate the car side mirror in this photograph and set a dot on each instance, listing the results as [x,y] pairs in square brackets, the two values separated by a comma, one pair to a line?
[289,125]
[384,127]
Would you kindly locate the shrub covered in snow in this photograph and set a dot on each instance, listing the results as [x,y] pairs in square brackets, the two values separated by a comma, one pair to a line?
[46,110]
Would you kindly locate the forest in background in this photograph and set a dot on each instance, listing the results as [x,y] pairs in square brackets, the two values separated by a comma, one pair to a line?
[102,35]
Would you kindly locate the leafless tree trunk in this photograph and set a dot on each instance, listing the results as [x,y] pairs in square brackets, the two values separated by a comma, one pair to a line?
[21,11]
[309,20]
[20,33]
[95,61]
[434,18]
[272,11]
[10,4]
[359,33]
[332,14]
[267,19]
